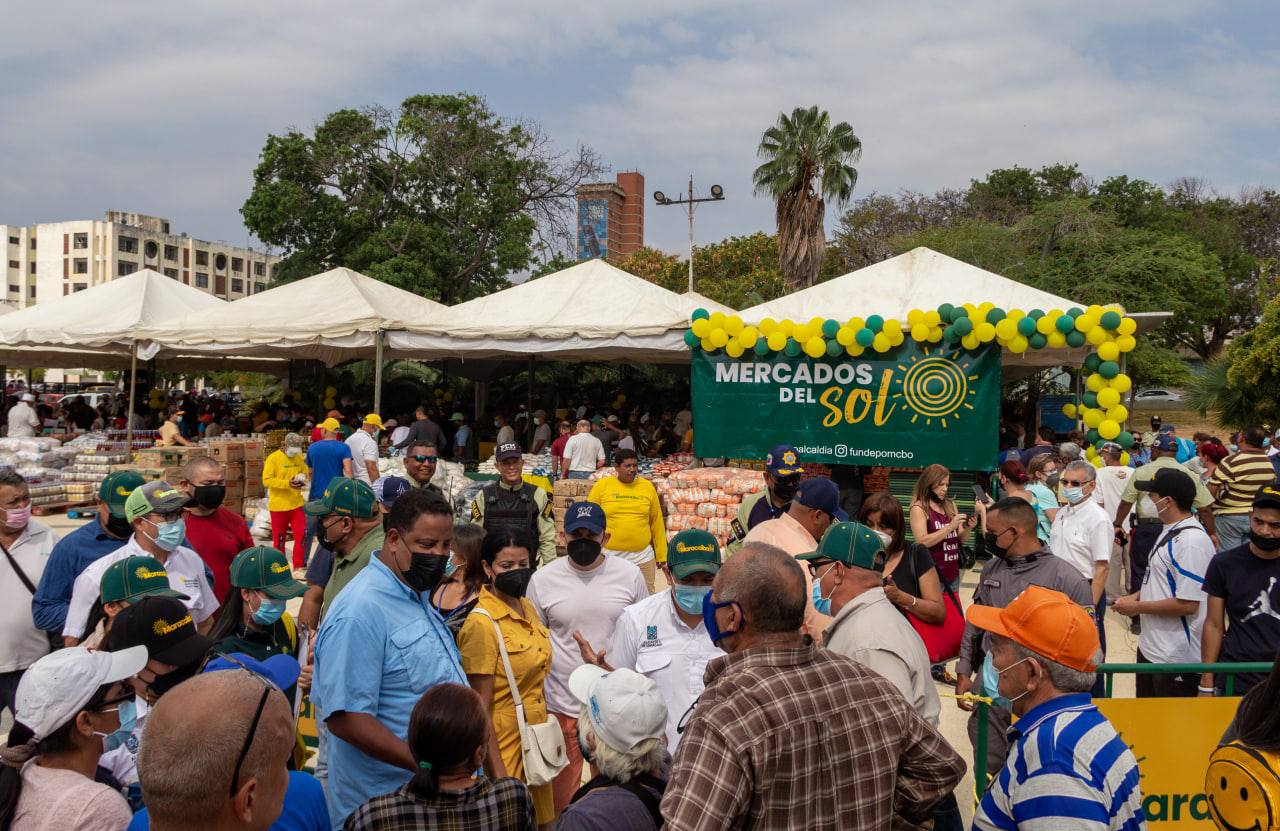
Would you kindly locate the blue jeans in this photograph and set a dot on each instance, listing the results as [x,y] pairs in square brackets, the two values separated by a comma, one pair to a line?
[580,474]
[1233,530]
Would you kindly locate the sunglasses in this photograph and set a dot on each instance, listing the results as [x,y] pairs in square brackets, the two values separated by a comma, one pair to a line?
[267,686]
[1075,484]
[421,459]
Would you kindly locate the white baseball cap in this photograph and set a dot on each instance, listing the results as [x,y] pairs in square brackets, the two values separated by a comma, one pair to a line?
[624,707]
[26,396]
[57,686]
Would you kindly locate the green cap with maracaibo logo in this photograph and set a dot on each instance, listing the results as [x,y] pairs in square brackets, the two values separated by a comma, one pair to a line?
[693,551]
[851,543]
[267,570]
[115,489]
[135,577]
[345,497]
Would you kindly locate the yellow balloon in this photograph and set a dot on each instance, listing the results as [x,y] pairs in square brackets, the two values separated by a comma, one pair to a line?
[1094,382]
[1126,343]
[854,350]
[1044,325]
[935,334]
[1018,345]
[748,337]
[733,325]
[1015,315]
[971,309]
[718,337]
[1096,462]
[767,326]
[1095,336]
[1121,383]
[919,332]
[970,341]
[708,345]
[1057,340]
[844,336]
[786,327]
[1108,398]
[1085,322]
[1124,458]
[1095,310]
[777,341]
[1108,429]
[1069,410]
[915,316]
[1127,326]
[986,332]
[932,317]
[701,328]
[1091,453]
[881,343]
[717,320]
[856,323]
[815,347]
[1006,329]
[801,333]
[1119,413]
[1108,351]
[734,349]
[1092,418]
[897,338]
[1054,313]
[892,327]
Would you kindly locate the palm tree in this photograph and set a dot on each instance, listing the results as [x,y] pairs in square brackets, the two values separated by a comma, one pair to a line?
[807,161]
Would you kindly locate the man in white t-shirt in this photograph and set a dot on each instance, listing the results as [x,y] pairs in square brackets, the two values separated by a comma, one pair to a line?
[23,421]
[155,512]
[583,453]
[1082,535]
[579,596]
[364,449]
[1113,478]
[1172,602]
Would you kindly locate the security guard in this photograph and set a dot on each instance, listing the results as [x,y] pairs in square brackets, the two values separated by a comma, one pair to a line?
[512,503]
[782,473]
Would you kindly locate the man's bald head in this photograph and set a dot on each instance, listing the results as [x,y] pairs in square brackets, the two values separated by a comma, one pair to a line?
[190,744]
[768,584]
[202,468]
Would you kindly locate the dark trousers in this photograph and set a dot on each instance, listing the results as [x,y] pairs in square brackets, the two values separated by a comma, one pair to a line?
[1100,618]
[9,689]
[1164,685]
[1144,538]
[946,815]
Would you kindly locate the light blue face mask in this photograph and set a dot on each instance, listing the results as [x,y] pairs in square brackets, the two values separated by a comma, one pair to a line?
[1072,495]
[689,598]
[169,534]
[269,612]
[822,605]
[450,567]
[128,720]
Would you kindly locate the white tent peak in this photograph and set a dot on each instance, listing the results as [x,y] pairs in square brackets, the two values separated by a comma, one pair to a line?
[701,300]
[919,279]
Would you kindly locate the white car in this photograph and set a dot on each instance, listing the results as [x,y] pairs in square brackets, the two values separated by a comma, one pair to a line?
[1157,395]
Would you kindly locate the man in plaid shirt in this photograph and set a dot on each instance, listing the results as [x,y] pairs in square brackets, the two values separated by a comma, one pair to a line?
[788,735]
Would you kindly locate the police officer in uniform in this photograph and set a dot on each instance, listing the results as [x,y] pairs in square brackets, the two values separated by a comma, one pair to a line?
[512,503]
[781,478]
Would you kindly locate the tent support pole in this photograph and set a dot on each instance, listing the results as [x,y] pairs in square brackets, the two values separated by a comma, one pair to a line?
[528,422]
[377,372]
[133,399]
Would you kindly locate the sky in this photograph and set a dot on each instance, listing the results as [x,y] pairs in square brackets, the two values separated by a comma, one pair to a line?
[163,108]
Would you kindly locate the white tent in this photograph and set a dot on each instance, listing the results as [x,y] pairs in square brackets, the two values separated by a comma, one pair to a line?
[592,311]
[700,300]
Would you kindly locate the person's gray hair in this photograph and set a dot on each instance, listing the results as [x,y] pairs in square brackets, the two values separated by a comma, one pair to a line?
[1084,467]
[192,468]
[768,584]
[12,478]
[622,765]
[1063,677]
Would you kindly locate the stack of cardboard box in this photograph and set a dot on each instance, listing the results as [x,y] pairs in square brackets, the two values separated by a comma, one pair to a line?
[155,463]
[567,491]
[243,462]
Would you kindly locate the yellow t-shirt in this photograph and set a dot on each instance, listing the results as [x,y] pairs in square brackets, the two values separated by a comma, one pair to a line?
[277,471]
[633,515]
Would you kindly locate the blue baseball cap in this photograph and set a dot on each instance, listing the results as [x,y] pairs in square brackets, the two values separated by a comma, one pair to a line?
[783,461]
[822,494]
[1166,442]
[587,515]
[1166,428]
[392,489]
[280,670]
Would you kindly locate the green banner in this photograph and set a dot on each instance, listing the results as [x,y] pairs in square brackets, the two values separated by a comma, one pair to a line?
[910,407]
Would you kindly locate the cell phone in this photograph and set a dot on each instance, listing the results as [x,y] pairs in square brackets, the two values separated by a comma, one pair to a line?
[981,495]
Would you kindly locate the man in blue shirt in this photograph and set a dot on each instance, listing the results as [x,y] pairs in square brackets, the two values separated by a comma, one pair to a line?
[74,552]
[1067,766]
[328,458]
[380,647]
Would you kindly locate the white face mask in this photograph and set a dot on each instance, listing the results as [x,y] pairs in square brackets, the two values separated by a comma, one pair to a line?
[886,539]
[292,451]
[1001,672]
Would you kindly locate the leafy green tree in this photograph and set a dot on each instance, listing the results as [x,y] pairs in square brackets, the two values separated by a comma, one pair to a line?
[1253,362]
[807,161]
[442,197]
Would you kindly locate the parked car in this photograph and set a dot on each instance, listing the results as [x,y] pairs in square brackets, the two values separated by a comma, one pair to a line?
[93,399]
[1155,395]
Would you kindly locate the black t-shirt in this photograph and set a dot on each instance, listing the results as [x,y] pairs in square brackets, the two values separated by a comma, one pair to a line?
[915,563]
[1250,589]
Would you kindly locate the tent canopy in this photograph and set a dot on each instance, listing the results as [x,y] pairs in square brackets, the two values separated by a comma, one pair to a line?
[591,311]
[707,303]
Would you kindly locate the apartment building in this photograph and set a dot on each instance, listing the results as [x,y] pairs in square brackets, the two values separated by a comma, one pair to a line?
[52,259]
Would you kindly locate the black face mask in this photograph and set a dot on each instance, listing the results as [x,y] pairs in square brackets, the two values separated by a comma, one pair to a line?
[583,551]
[513,583]
[784,489]
[1264,543]
[994,547]
[163,683]
[425,571]
[209,496]
[1052,479]
[118,526]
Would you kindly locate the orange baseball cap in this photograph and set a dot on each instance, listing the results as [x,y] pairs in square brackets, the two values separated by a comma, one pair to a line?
[1047,622]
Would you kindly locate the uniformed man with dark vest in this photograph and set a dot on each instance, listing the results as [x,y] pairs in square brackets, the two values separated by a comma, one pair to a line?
[512,503]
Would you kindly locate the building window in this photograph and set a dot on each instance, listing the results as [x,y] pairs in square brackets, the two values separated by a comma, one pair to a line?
[33,242]
[33,291]
[79,286]
[129,245]
[202,280]
[237,264]
[237,286]
[171,272]
[202,258]
[81,265]
[14,289]
[15,264]
[165,226]
[124,267]
[258,288]
[14,241]
[171,253]
[259,269]
[33,268]
[80,241]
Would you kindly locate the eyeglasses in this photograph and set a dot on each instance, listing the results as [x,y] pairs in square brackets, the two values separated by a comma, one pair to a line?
[1076,484]
[267,686]
[421,459]
[817,565]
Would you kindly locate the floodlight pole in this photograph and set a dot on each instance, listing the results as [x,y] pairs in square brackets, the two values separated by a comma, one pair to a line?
[690,203]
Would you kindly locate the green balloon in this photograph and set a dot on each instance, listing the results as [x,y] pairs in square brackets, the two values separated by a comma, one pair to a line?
[1038,341]
[1092,436]
[946,311]
[1065,324]
[700,314]
[995,316]
[793,347]
[864,337]
[1092,362]
[1026,326]
[875,323]
[762,347]
[963,326]
[690,339]
[1090,400]
[1035,314]
[830,327]
[1075,339]
[1075,311]
[1125,439]
[1109,320]
[1108,369]
[834,348]
[959,312]
[949,333]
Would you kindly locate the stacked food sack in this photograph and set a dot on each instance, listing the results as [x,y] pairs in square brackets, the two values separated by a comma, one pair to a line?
[708,498]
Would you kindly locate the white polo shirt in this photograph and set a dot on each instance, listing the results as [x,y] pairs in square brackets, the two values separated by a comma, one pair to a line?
[21,642]
[363,449]
[186,575]
[652,639]
[1176,570]
[1081,534]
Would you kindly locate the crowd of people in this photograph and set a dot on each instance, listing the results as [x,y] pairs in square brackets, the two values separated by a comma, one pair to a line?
[472,676]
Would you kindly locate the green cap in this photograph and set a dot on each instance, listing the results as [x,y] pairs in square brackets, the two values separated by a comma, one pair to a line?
[135,577]
[266,569]
[115,489]
[157,497]
[345,497]
[692,551]
[851,543]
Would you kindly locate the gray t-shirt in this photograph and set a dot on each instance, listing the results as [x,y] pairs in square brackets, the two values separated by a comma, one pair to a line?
[605,437]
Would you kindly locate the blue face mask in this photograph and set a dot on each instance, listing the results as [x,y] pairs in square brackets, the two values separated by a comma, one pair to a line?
[821,604]
[128,720]
[1072,495]
[449,568]
[269,612]
[709,608]
[169,534]
[689,598]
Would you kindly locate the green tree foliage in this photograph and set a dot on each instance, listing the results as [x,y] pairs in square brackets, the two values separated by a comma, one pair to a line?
[442,197]
[1253,364]
[1233,405]
[807,161]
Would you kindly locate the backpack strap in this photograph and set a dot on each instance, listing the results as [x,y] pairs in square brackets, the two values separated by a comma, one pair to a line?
[642,787]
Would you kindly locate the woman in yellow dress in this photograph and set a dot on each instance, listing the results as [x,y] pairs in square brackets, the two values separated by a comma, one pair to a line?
[506,561]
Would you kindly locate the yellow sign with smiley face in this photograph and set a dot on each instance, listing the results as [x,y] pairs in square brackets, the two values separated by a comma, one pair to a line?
[1242,786]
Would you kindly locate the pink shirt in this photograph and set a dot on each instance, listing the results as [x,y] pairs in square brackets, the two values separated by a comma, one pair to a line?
[789,535]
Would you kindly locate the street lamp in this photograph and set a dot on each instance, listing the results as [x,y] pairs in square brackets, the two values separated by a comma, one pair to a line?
[690,202]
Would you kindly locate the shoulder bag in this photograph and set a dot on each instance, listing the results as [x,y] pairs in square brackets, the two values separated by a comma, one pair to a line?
[541,745]
[941,640]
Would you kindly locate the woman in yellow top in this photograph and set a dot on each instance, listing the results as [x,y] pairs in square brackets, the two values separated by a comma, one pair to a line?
[505,558]
[284,475]
[633,513]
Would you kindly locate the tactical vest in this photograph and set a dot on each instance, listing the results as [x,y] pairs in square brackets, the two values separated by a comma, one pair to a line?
[507,510]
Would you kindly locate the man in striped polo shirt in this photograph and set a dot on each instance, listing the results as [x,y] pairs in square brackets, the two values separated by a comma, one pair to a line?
[1067,767]
[1233,485]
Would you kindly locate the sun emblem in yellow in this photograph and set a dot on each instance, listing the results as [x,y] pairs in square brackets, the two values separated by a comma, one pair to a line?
[935,386]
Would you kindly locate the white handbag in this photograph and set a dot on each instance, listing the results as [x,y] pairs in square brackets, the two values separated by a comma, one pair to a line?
[541,745]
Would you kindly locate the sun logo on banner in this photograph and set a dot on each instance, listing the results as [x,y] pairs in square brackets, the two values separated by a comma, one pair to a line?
[936,386]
